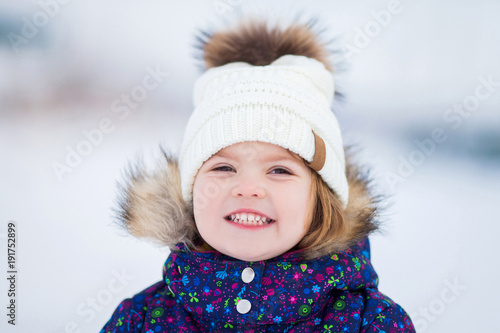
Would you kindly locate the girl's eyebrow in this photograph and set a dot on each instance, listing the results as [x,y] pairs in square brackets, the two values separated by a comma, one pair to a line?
[225,154]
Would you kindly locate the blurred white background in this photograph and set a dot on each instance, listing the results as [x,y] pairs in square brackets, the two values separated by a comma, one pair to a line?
[412,66]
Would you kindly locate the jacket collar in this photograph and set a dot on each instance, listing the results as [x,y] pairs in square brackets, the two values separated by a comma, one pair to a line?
[285,289]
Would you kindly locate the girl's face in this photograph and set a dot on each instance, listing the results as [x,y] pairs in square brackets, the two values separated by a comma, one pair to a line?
[253,176]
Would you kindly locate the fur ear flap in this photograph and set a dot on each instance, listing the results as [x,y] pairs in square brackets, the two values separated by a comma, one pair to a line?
[151,206]
[254,42]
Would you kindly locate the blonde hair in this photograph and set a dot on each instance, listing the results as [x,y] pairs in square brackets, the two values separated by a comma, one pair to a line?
[327,222]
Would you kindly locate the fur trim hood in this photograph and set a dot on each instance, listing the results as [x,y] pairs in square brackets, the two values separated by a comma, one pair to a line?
[150,205]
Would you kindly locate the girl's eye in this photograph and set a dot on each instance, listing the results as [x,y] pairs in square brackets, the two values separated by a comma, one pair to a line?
[281,169]
[223,167]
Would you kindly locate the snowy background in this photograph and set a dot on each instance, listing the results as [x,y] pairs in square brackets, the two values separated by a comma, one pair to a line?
[411,65]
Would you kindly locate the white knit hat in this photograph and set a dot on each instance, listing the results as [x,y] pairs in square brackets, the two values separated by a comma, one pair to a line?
[286,103]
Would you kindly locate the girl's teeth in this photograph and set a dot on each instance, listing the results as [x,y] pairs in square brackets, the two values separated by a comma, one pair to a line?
[249,219]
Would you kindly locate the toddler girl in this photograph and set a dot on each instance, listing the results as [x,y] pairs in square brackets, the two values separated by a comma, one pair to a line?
[266,216]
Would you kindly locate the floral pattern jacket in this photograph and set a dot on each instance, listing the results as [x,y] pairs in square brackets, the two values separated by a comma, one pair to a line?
[201,292]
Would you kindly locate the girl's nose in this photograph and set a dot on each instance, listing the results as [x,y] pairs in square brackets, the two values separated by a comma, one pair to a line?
[248,186]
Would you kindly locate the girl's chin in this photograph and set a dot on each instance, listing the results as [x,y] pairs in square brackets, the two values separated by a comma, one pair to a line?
[252,259]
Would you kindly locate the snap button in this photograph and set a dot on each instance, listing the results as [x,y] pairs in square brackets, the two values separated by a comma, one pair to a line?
[247,275]
[243,306]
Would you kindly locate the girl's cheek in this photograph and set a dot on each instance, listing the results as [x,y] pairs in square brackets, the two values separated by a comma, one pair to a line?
[207,191]
[200,202]
[217,183]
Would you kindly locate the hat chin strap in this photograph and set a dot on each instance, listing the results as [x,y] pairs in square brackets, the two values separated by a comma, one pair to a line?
[319,153]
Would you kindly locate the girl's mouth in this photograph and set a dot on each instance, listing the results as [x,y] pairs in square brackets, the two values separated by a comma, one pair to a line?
[251,220]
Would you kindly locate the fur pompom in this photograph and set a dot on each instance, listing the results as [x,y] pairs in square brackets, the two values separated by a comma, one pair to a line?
[254,42]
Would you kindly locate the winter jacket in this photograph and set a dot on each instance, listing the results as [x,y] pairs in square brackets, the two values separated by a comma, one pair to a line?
[200,292]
